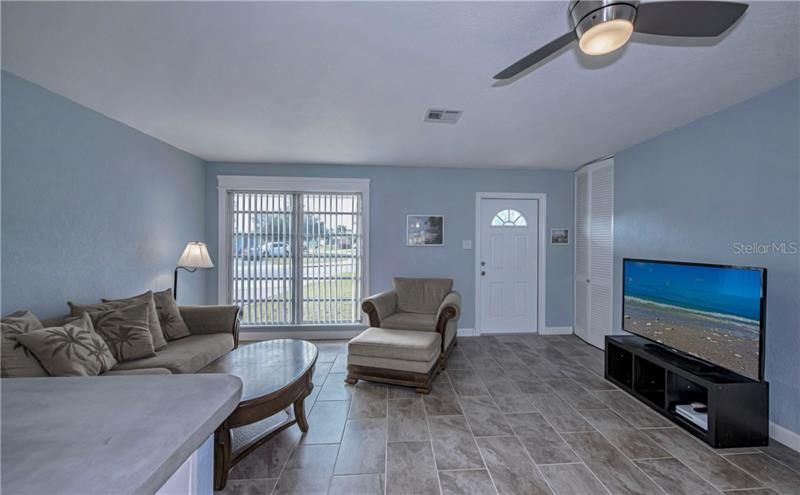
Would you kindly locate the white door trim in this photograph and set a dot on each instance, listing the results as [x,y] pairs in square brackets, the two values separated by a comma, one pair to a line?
[541,284]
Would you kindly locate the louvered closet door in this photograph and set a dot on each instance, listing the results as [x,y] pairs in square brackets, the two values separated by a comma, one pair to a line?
[594,251]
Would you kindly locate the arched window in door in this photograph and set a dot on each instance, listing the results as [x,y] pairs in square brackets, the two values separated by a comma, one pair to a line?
[509,218]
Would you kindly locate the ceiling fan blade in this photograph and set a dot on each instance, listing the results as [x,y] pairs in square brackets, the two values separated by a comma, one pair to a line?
[537,56]
[690,19]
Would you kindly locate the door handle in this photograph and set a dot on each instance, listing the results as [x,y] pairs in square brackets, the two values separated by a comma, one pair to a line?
[483,263]
[483,274]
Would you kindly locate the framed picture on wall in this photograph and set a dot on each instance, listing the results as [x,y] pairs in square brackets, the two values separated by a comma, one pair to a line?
[425,230]
[559,236]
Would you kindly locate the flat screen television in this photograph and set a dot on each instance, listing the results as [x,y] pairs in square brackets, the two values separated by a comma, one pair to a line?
[714,313]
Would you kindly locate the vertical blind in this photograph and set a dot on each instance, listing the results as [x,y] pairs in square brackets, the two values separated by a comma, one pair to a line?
[296,258]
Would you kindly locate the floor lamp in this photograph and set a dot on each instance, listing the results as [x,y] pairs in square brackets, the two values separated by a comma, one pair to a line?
[194,256]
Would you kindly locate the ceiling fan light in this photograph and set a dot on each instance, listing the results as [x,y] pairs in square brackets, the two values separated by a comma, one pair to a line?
[606,37]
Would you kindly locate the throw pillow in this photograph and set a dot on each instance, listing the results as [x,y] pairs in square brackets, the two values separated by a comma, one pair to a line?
[72,350]
[125,331]
[169,316]
[159,342]
[15,359]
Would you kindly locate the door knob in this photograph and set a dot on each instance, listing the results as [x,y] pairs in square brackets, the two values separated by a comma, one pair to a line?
[483,274]
[483,263]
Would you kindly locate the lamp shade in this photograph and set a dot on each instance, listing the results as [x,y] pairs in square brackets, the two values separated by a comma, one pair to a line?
[195,256]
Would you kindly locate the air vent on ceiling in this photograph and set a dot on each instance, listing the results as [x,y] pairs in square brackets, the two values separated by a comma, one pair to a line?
[442,116]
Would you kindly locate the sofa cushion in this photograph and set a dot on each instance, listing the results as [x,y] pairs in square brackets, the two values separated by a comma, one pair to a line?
[17,360]
[410,321]
[187,355]
[392,364]
[126,331]
[159,342]
[141,371]
[421,295]
[404,345]
[170,317]
[72,350]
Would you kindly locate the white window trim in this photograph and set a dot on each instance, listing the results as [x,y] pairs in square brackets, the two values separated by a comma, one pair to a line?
[228,183]
[542,257]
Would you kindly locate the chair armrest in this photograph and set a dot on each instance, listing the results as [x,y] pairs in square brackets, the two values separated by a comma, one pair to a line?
[450,307]
[379,306]
[212,319]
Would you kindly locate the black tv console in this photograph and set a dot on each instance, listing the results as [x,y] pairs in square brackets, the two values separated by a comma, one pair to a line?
[738,408]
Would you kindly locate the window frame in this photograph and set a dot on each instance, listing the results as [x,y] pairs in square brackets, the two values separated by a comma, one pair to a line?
[232,183]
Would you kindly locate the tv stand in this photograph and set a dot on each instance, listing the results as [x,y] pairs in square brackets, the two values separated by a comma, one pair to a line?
[738,408]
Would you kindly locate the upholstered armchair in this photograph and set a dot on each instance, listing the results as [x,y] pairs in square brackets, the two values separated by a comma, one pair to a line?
[421,304]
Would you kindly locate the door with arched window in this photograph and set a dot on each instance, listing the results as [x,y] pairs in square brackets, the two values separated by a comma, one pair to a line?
[508,264]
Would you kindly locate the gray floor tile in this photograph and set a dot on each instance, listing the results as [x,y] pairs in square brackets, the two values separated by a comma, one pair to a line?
[248,487]
[453,444]
[467,382]
[411,469]
[702,460]
[308,470]
[559,414]
[335,388]
[268,460]
[613,469]
[771,474]
[407,420]
[485,419]
[542,442]
[632,410]
[458,360]
[572,479]
[753,491]
[398,392]
[369,400]
[782,454]
[357,484]
[471,482]
[442,401]
[675,478]
[511,469]
[340,364]
[363,448]
[575,395]
[634,443]
[326,422]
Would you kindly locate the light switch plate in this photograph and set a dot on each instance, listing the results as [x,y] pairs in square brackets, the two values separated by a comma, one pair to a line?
[466,244]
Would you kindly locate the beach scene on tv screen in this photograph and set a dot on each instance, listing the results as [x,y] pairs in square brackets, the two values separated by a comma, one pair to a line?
[712,313]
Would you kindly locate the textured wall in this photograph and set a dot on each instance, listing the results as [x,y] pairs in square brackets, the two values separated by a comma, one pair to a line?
[91,208]
[398,191]
[731,177]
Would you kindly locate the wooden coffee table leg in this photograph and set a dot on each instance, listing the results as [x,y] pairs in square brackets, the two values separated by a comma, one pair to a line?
[222,455]
[300,414]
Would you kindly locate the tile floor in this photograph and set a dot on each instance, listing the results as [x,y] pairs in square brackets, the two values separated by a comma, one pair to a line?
[511,415]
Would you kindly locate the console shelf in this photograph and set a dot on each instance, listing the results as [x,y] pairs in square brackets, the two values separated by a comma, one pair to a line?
[738,408]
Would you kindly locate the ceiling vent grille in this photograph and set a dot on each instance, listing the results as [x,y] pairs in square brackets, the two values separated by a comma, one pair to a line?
[442,116]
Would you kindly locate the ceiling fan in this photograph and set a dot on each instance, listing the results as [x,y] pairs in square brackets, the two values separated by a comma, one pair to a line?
[602,26]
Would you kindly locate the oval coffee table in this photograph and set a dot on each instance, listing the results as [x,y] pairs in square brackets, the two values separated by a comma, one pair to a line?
[275,374]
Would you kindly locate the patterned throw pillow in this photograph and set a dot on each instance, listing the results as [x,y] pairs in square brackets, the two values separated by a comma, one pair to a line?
[170,317]
[125,331]
[159,342]
[15,359]
[72,350]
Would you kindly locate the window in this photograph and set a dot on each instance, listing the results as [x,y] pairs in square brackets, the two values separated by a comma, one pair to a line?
[295,258]
[509,218]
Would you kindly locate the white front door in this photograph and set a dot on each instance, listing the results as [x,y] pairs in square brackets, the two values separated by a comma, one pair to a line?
[508,265]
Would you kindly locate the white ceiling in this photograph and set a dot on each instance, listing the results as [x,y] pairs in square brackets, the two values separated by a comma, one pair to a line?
[350,82]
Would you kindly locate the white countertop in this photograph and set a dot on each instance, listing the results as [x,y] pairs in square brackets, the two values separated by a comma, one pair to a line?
[106,435]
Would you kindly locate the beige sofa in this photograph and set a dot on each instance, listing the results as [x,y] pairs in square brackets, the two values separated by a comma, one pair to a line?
[214,332]
[419,304]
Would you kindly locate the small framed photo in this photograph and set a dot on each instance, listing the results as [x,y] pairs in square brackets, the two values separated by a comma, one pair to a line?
[425,230]
[559,236]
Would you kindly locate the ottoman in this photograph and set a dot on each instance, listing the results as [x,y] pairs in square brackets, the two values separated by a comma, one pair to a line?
[399,357]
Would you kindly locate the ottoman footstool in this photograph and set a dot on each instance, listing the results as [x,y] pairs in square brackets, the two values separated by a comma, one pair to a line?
[397,357]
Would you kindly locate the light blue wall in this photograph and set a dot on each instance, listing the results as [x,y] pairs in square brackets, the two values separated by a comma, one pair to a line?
[91,208]
[398,191]
[733,176]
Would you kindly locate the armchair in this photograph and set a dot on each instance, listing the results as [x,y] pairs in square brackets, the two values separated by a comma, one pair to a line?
[420,304]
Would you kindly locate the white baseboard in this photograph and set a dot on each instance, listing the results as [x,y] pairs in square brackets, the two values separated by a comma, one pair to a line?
[465,332]
[300,334]
[785,436]
[556,331]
